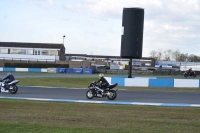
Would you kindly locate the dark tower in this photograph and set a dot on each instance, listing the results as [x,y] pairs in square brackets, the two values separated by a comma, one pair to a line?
[132,34]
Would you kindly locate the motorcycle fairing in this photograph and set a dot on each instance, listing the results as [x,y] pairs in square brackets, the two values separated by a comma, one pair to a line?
[112,86]
[13,82]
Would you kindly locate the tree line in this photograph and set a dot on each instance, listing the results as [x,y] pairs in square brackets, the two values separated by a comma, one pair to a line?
[170,55]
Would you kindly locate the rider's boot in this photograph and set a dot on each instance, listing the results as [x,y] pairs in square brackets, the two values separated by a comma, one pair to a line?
[6,86]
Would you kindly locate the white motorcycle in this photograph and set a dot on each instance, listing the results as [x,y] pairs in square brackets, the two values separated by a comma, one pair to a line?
[11,87]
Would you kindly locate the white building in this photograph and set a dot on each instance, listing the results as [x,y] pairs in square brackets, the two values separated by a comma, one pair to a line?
[32,51]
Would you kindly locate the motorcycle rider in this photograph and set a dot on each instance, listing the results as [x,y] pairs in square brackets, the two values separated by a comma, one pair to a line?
[9,78]
[103,82]
[190,71]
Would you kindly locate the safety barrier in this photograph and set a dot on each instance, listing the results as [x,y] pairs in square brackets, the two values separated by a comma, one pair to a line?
[11,69]
[50,70]
[154,82]
[75,70]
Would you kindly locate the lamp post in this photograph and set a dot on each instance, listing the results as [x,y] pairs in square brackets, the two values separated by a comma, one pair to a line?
[91,55]
[63,39]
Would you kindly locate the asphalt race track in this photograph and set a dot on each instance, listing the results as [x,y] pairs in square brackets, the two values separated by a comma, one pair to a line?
[123,95]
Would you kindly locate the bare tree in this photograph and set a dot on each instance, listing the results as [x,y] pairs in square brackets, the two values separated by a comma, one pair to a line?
[159,54]
[195,58]
[167,54]
[191,58]
[175,55]
[181,57]
[153,54]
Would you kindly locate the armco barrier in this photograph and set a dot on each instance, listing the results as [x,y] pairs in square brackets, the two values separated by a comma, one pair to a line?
[88,71]
[75,70]
[51,70]
[108,79]
[119,80]
[61,70]
[155,82]
[78,70]
[8,69]
[21,69]
[137,82]
[11,69]
[69,70]
[193,83]
[34,70]
[168,83]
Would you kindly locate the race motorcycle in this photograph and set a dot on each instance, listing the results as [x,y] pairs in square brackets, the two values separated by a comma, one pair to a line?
[193,74]
[11,87]
[94,90]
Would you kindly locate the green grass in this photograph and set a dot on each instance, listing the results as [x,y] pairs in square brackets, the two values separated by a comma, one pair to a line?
[17,116]
[61,82]
[84,82]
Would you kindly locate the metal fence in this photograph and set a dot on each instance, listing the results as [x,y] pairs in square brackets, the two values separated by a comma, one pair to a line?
[182,65]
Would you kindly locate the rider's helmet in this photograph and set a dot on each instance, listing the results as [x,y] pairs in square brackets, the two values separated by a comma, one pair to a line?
[101,75]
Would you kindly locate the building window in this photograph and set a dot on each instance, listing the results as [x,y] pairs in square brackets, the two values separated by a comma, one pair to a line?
[45,52]
[3,51]
[29,52]
[37,52]
[18,51]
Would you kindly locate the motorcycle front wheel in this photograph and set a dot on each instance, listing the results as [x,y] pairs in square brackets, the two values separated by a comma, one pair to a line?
[194,75]
[13,89]
[89,94]
[112,95]
[185,75]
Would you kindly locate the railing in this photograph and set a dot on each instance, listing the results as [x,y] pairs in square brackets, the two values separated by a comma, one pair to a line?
[26,59]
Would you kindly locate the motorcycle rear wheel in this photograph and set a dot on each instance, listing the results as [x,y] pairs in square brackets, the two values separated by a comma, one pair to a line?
[113,95]
[89,94]
[14,89]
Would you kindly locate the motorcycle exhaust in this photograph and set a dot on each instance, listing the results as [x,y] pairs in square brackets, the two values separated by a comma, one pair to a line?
[108,93]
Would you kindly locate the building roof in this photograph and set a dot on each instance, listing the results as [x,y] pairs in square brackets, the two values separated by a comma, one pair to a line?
[105,56]
[31,45]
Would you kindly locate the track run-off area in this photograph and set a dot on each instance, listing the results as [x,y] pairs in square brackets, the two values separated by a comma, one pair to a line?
[127,97]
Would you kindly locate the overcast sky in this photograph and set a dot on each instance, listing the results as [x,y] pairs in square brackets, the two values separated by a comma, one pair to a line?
[94,26]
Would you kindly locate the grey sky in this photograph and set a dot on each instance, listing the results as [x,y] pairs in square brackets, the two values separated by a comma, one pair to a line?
[94,26]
